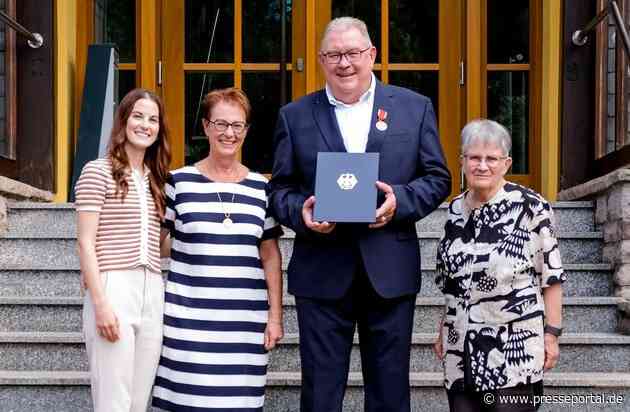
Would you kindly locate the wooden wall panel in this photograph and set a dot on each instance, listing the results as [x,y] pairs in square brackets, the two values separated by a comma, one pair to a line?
[35,100]
[578,99]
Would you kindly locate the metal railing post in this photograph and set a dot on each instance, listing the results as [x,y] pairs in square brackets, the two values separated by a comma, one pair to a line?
[35,40]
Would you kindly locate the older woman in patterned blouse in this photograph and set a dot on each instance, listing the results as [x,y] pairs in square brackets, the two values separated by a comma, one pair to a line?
[499,268]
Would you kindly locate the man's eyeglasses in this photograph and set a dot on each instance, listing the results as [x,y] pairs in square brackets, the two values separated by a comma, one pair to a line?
[222,126]
[353,56]
[491,161]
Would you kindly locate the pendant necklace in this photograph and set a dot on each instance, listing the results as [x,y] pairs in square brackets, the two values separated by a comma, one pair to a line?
[227,222]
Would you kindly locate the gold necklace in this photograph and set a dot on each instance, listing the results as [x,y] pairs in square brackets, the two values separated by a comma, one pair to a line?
[227,222]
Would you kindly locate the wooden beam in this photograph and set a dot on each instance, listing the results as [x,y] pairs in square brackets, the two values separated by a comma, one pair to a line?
[65,62]
[550,101]
[475,67]
[298,44]
[147,44]
[238,43]
[418,66]
[311,60]
[450,104]
[384,41]
[173,57]
[84,36]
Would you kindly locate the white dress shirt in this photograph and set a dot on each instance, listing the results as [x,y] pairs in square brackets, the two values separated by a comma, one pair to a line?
[354,119]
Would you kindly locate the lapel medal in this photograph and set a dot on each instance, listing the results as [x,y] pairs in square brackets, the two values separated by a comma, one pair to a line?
[380,124]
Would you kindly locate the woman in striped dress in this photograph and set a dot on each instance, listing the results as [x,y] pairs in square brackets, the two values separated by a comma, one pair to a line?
[119,202]
[223,308]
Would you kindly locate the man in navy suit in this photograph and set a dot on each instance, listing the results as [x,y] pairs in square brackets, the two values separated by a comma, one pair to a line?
[349,275]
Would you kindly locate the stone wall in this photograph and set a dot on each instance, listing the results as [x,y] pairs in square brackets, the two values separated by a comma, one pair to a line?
[611,194]
[16,191]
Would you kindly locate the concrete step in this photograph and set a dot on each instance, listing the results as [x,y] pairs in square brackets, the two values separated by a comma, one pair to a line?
[575,247]
[588,352]
[570,217]
[63,314]
[584,280]
[61,253]
[42,391]
[37,219]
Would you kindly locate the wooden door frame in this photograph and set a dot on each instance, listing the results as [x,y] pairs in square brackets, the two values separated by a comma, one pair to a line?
[477,69]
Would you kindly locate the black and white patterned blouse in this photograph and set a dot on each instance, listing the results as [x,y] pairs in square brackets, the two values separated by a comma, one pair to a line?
[492,264]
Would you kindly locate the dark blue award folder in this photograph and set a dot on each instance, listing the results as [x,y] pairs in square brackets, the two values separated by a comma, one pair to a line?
[345,189]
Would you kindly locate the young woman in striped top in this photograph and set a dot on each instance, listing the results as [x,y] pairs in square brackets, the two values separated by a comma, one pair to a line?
[120,202]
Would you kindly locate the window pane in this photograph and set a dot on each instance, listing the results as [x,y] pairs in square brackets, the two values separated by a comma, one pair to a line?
[508,104]
[209,31]
[261,31]
[423,82]
[508,31]
[126,82]
[367,10]
[263,90]
[413,31]
[197,85]
[115,22]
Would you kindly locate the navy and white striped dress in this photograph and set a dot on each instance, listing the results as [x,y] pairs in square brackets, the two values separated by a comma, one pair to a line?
[215,313]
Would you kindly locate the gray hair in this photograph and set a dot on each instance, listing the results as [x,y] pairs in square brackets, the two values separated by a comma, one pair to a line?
[486,131]
[344,24]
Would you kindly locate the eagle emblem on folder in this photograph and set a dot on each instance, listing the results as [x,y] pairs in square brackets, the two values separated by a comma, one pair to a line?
[347,181]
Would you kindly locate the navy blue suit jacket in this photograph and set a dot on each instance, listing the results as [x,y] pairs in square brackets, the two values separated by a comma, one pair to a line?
[411,161]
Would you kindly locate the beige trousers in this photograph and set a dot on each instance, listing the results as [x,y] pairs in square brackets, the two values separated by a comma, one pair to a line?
[122,372]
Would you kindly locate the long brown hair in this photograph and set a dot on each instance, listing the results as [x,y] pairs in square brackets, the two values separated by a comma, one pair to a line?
[157,157]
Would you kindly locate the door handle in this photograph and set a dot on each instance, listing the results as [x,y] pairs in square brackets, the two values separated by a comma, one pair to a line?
[299,64]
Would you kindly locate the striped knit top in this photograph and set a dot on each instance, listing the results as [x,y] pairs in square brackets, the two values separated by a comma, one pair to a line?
[128,232]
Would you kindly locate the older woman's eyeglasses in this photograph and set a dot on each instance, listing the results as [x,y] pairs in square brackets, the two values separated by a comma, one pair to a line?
[490,161]
[222,126]
[353,56]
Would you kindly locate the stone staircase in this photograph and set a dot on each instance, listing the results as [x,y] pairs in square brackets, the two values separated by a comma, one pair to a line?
[42,357]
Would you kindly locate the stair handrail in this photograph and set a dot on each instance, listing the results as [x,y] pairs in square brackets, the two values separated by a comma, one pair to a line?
[580,37]
[35,40]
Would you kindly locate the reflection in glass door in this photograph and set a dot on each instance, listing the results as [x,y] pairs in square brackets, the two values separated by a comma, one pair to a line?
[216,44]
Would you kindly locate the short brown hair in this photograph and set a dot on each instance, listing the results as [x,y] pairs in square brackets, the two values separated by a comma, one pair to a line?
[231,95]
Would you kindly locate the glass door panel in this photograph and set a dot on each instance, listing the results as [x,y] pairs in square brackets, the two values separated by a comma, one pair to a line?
[197,85]
[263,90]
[262,31]
[423,82]
[367,10]
[209,31]
[115,22]
[413,31]
[508,104]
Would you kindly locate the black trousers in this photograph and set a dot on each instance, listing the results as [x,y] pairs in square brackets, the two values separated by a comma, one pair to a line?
[517,399]
[326,336]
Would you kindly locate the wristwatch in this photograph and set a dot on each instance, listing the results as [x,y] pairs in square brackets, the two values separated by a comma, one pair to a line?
[552,330]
